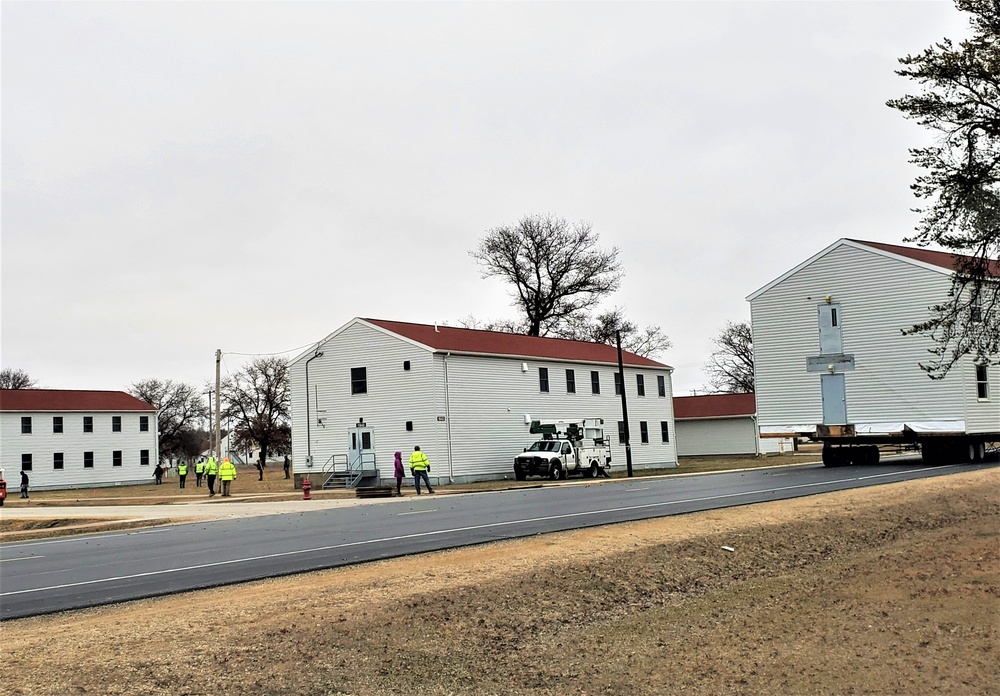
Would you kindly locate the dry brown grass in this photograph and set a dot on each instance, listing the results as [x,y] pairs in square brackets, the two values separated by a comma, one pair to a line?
[886,590]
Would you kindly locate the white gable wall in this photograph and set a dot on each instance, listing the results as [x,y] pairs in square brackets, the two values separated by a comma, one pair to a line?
[878,296]
[394,397]
[42,443]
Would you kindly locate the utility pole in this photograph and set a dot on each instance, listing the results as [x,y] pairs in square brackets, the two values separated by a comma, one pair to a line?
[218,402]
[621,381]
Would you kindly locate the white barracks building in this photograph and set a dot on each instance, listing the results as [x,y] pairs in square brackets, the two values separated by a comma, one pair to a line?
[467,398]
[76,439]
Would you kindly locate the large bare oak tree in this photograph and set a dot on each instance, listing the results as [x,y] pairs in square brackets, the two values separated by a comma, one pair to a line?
[258,399]
[730,367]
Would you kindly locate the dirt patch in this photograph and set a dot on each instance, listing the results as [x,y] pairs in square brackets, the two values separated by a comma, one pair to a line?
[893,589]
[43,528]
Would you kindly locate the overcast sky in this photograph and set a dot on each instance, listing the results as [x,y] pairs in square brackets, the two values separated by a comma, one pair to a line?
[180,177]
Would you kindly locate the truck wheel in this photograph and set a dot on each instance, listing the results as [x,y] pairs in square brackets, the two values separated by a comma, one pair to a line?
[593,472]
[834,456]
[519,475]
[556,472]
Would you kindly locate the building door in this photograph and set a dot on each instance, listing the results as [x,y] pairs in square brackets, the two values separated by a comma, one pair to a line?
[834,399]
[831,340]
[361,450]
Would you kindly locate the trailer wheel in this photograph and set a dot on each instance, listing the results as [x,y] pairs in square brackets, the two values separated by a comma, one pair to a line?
[980,451]
[834,456]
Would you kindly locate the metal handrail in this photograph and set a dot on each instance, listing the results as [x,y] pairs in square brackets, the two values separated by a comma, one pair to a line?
[353,470]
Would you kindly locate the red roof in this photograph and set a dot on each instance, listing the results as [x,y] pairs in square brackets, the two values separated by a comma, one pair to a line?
[69,400]
[714,406]
[457,340]
[943,259]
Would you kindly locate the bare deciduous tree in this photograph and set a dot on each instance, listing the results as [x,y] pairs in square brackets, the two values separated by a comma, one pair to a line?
[180,410]
[258,400]
[556,268]
[602,328]
[960,102]
[11,378]
[730,368]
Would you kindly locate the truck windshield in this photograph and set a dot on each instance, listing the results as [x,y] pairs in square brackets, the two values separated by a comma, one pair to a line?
[544,446]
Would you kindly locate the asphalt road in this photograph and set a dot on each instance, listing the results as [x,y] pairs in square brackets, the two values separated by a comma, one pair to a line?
[38,577]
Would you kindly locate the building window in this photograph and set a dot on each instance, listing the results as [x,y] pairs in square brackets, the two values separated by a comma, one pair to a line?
[25,462]
[409,426]
[543,379]
[661,385]
[88,424]
[57,424]
[359,380]
[406,364]
[621,432]
[665,431]
[640,385]
[116,458]
[116,424]
[88,460]
[595,382]
[982,382]
[618,384]
[57,460]
[26,425]
[570,382]
[143,424]
[143,457]
[643,433]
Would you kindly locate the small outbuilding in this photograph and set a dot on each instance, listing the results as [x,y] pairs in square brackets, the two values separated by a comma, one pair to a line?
[467,398]
[721,424]
[75,439]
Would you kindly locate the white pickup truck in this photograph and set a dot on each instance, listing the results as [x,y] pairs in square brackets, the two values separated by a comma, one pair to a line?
[566,447]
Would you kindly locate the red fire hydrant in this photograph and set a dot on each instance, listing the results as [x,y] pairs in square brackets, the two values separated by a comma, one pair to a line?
[306,487]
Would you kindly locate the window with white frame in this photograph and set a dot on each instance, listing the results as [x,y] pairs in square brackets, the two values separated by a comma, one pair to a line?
[26,425]
[643,433]
[543,379]
[982,382]
[661,385]
[640,385]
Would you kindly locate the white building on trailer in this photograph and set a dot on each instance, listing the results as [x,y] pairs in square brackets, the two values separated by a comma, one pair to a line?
[77,439]
[722,424]
[466,397]
[829,348]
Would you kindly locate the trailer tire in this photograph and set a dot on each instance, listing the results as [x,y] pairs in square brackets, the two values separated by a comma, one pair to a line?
[834,456]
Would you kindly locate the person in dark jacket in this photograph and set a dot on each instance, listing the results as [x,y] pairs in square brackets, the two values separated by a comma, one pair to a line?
[158,474]
[24,484]
[399,472]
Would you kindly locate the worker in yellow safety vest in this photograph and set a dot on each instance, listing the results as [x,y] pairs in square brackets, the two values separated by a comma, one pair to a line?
[211,471]
[419,466]
[199,472]
[227,473]
[182,472]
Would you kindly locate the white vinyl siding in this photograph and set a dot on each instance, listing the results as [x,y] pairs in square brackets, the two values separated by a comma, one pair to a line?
[715,436]
[981,415]
[878,296]
[478,404]
[43,445]
[394,396]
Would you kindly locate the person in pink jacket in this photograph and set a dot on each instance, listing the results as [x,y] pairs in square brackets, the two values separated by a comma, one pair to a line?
[399,473]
